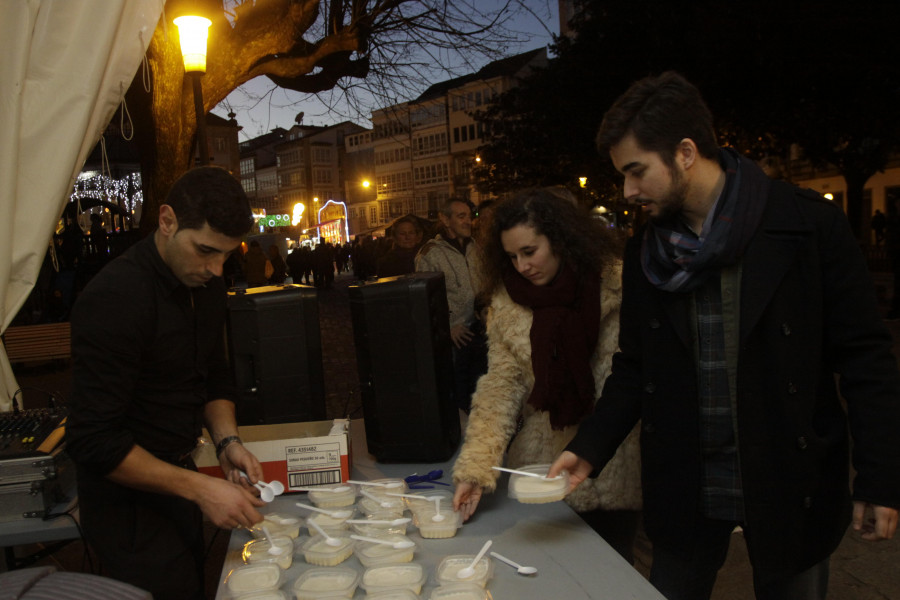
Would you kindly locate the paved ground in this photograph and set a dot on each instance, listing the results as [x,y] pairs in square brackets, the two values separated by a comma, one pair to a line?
[860,570]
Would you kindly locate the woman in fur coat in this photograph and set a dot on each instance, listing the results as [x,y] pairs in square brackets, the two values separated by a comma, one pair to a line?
[552,277]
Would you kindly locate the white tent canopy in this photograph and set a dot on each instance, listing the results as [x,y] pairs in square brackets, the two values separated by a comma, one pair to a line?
[66,65]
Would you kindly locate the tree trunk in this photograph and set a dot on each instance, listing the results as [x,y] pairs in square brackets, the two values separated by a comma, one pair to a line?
[164,123]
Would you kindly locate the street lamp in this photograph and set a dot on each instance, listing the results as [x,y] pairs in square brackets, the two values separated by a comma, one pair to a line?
[193,32]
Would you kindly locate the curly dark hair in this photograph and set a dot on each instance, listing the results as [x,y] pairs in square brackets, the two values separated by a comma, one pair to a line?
[579,240]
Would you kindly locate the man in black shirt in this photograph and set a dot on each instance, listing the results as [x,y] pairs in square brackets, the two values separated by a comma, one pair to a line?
[149,370]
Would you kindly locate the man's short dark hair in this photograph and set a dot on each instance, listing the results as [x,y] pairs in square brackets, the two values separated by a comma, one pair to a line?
[412,220]
[660,111]
[447,206]
[211,195]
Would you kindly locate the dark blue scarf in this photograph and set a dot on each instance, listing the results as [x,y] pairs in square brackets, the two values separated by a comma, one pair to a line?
[674,259]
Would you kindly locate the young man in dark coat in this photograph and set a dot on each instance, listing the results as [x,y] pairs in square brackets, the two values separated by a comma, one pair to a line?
[743,297]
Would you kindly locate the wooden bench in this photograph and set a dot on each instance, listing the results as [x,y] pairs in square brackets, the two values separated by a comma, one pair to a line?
[31,343]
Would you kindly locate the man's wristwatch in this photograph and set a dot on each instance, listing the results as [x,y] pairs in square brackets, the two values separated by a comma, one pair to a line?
[225,442]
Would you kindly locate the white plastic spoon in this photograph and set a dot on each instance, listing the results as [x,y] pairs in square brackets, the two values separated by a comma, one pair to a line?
[392,522]
[437,517]
[519,568]
[381,503]
[267,491]
[526,473]
[392,484]
[336,490]
[402,544]
[273,549]
[411,496]
[337,514]
[467,572]
[276,486]
[328,539]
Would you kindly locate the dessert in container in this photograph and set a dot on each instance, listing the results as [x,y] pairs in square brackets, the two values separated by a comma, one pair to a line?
[330,525]
[538,490]
[323,498]
[394,485]
[253,578]
[317,551]
[257,552]
[337,582]
[448,570]
[371,554]
[264,595]
[410,576]
[425,499]
[433,524]
[459,591]
[401,594]
[377,525]
[278,524]
[372,507]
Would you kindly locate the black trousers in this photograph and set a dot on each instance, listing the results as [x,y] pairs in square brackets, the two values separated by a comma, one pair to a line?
[617,527]
[690,574]
[152,541]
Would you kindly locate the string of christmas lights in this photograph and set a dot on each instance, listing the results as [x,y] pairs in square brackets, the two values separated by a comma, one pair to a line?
[126,191]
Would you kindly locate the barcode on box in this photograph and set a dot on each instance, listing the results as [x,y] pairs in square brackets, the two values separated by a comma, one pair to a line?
[314,478]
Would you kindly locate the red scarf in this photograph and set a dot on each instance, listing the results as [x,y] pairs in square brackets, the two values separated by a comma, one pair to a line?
[564,335]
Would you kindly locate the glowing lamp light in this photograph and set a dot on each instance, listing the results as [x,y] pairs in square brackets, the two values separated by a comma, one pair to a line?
[193,32]
[582,181]
[366,183]
[298,213]
[828,196]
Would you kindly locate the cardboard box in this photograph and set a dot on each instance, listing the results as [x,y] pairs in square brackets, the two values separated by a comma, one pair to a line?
[296,454]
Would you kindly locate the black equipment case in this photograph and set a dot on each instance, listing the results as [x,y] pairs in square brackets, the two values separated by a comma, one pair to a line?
[31,485]
[402,332]
[35,471]
[275,348]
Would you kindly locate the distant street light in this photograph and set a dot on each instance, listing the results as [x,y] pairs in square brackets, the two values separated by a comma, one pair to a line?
[193,32]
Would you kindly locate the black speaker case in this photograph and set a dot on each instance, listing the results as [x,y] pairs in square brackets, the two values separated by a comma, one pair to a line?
[275,349]
[405,360]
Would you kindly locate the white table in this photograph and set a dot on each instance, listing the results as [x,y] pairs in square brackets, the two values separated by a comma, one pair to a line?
[573,561]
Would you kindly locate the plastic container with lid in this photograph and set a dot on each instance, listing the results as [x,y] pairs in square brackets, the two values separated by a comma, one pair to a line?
[459,591]
[322,497]
[264,595]
[278,524]
[331,525]
[257,552]
[253,578]
[371,554]
[432,524]
[425,498]
[401,594]
[336,582]
[449,568]
[395,485]
[410,576]
[376,506]
[317,551]
[376,526]
[538,490]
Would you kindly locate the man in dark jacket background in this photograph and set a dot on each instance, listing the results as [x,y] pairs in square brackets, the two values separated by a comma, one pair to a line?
[743,297]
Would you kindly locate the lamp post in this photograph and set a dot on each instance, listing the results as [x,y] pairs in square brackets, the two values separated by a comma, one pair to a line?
[193,32]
